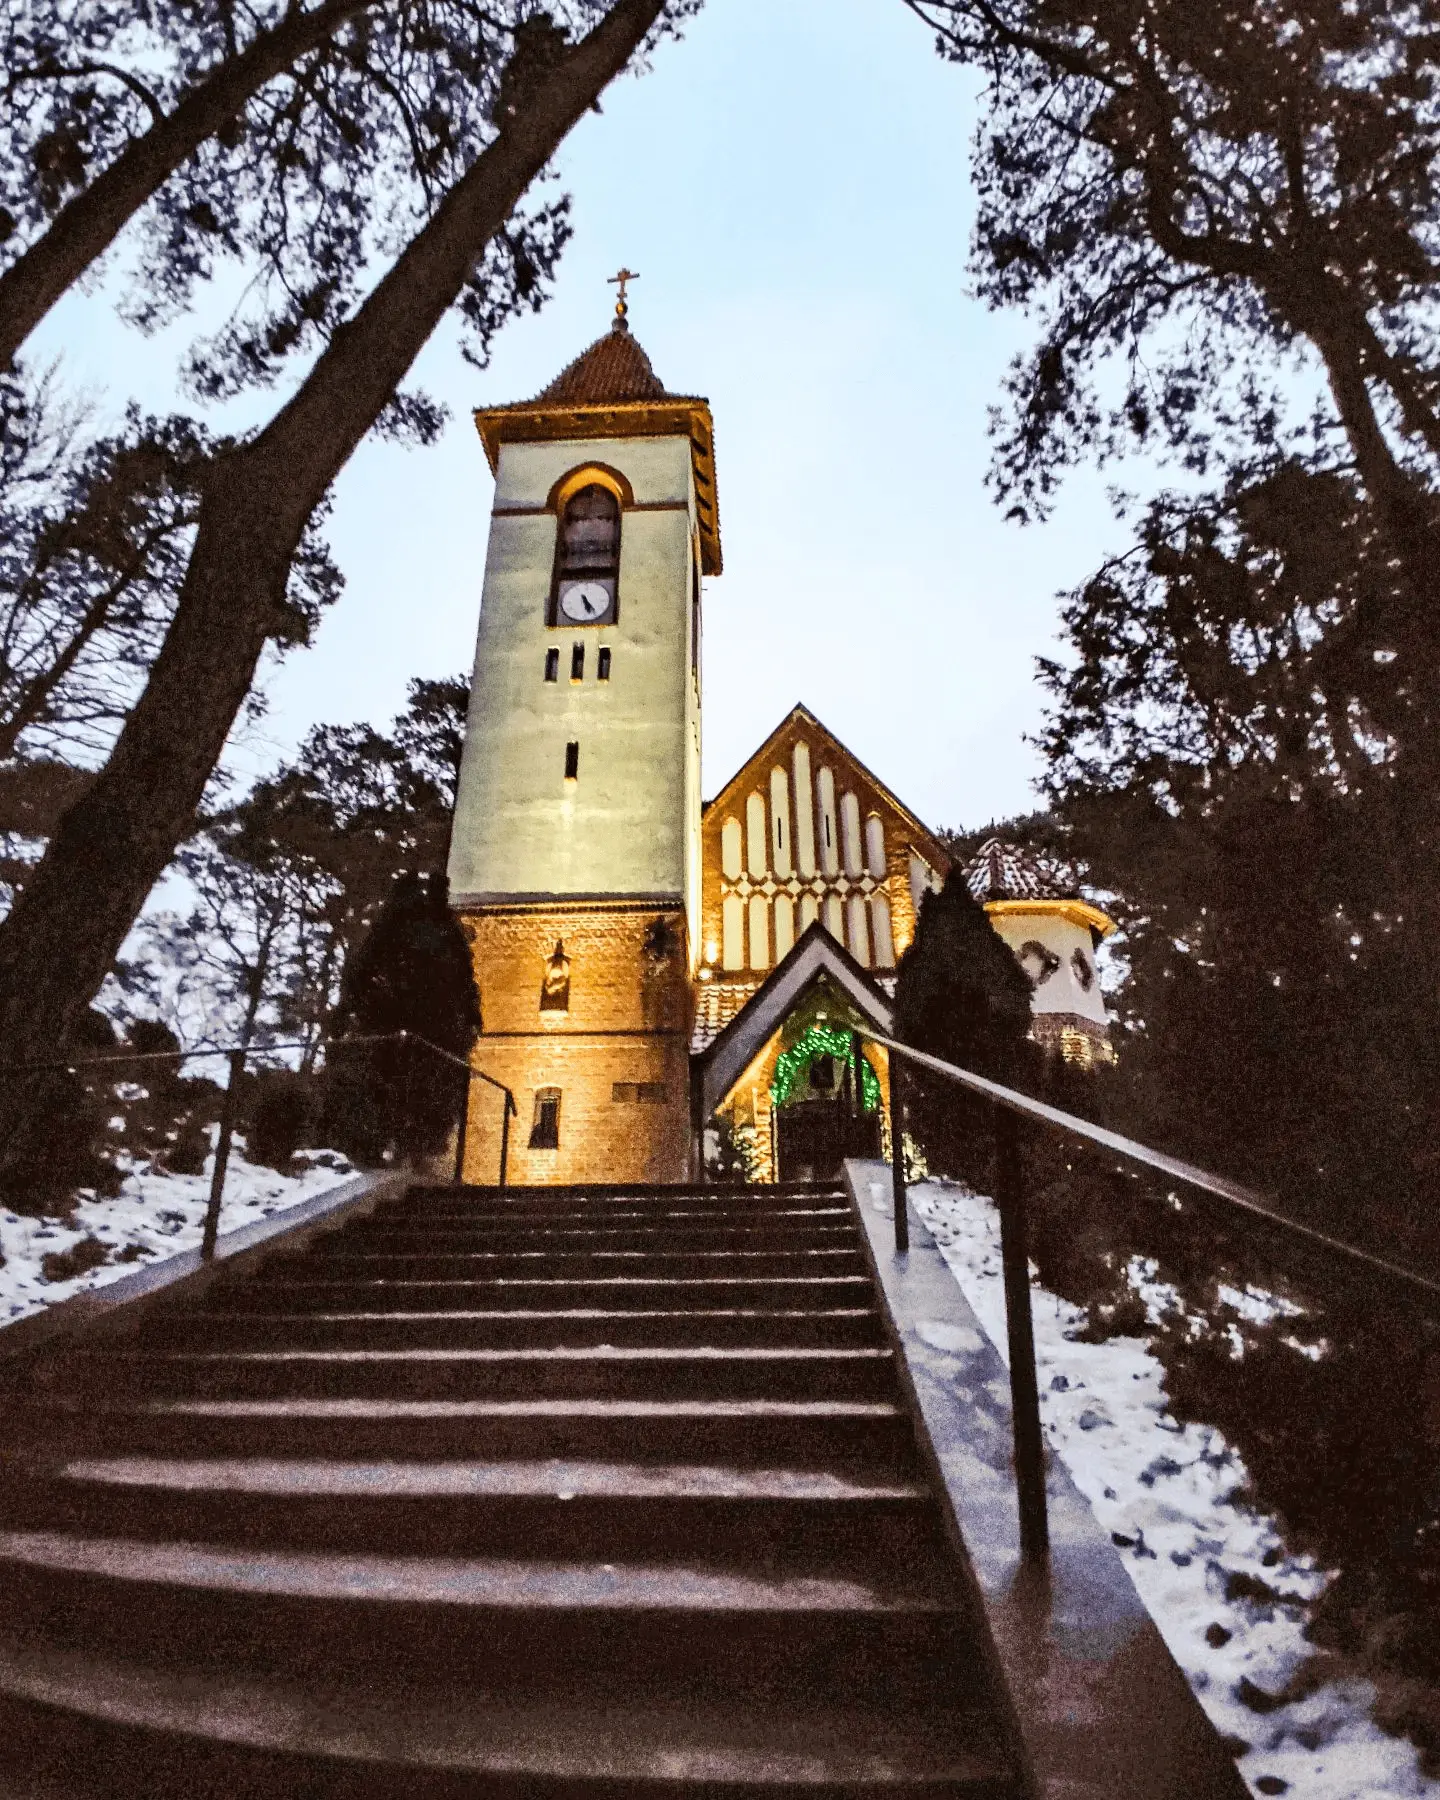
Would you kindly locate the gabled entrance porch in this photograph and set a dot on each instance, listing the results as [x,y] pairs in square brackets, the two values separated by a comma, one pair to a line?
[787,1086]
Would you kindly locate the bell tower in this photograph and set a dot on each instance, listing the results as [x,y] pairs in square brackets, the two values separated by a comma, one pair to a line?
[575,858]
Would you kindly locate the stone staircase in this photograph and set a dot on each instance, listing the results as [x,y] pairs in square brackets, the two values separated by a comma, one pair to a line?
[560,1492]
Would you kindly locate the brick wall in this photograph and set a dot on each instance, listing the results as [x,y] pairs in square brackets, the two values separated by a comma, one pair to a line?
[620,1044]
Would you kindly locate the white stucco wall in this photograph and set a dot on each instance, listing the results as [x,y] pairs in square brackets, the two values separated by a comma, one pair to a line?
[1061,991]
[630,824]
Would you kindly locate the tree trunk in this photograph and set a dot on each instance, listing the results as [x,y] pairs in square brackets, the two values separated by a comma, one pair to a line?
[111,847]
[1406,512]
[87,226]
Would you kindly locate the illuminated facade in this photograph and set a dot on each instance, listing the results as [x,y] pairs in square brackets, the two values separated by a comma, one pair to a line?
[629,942]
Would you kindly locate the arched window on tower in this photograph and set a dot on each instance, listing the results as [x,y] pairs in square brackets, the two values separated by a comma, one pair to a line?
[587,559]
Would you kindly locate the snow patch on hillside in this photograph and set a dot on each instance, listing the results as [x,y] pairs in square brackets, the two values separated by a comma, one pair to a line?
[156,1215]
[1227,1596]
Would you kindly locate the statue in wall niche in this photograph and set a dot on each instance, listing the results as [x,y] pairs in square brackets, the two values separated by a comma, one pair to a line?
[658,993]
[659,941]
[555,989]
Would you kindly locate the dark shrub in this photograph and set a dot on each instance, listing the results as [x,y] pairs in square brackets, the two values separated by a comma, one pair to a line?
[61,1145]
[186,1155]
[283,1108]
[732,1160]
[65,1265]
[149,1037]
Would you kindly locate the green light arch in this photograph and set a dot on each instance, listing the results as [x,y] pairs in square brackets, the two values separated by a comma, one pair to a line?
[821,1040]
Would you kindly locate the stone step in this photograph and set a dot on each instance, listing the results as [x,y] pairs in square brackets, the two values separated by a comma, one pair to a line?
[325,1262]
[517,1202]
[810,1516]
[825,1209]
[474,1583]
[337,1260]
[682,1626]
[382,1238]
[400,1214]
[423,1201]
[179,1734]
[598,1371]
[737,1198]
[847,1433]
[297,1292]
[836,1326]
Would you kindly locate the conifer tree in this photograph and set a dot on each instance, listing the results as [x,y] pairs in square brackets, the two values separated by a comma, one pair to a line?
[962,996]
[1187,197]
[300,139]
[412,974]
[257,503]
[95,536]
[1232,752]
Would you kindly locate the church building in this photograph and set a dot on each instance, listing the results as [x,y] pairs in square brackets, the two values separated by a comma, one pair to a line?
[663,978]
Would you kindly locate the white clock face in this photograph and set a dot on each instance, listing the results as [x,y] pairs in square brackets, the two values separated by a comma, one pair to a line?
[584,602]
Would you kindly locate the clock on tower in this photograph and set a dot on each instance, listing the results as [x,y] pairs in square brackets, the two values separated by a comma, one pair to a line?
[587,555]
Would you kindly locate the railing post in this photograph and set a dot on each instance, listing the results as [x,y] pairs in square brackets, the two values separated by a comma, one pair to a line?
[407,1091]
[1024,1384]
[222,1157]
[462,1129]
[510,1107]
[897,1157]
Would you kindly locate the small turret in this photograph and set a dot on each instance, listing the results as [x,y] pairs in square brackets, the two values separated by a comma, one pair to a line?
[1034,903]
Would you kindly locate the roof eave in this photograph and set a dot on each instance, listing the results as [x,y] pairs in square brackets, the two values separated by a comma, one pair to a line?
[814,955]
[1077,912]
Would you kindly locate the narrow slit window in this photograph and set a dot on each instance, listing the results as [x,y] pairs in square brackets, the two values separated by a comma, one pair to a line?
[577,662]
[602,670]
[545,1131]
[552,665]
[695,613]
[572,762]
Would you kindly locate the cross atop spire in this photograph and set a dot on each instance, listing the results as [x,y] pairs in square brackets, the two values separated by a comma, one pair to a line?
[622,281]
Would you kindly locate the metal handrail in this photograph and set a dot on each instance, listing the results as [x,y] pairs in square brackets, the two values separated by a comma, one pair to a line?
[1009,1105]
[1232,1191]
[237,1054]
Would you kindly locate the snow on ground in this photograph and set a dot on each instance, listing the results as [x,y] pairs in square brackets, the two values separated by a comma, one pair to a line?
[1160,1489]
[153,1217]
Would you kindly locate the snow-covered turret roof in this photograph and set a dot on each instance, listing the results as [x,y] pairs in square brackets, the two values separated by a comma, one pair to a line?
[1001,871]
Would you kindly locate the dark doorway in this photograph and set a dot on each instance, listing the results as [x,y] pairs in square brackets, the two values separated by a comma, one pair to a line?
[813,1138]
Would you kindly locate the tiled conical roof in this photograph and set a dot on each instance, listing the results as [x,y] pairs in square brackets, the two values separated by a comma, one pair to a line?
[613,370]
[1001,871]
[611,391]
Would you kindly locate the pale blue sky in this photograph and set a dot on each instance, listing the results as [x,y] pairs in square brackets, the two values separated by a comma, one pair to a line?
[791,182]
